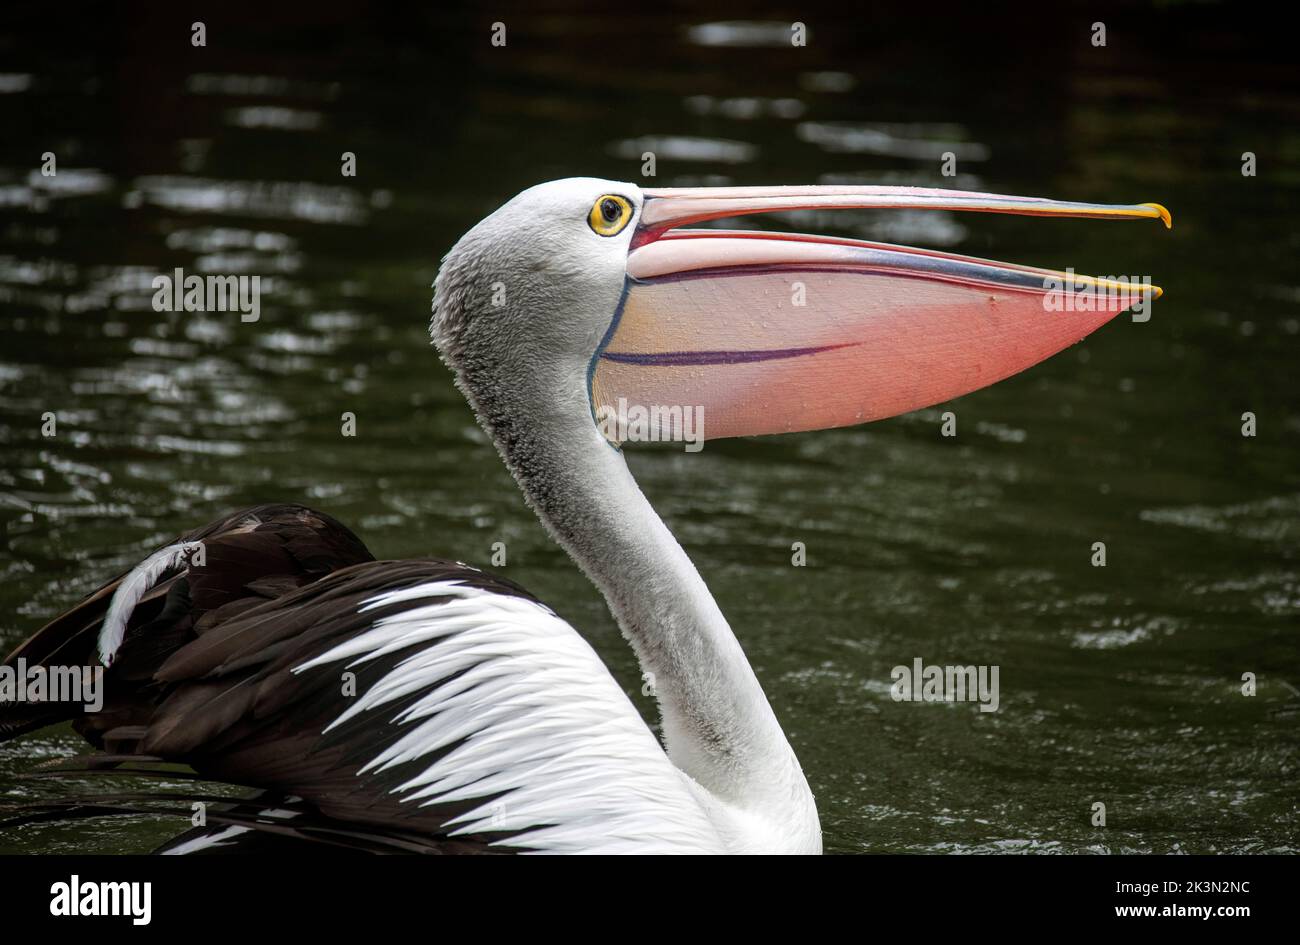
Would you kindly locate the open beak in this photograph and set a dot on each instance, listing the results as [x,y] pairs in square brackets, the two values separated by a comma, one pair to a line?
[772,333]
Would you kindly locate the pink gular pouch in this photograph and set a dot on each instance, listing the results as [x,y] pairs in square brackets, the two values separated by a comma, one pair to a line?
[770,333]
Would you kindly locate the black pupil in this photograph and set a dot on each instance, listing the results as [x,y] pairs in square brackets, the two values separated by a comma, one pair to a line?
[610,210]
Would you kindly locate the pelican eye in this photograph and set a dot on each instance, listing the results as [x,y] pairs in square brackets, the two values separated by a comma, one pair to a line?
[610,214]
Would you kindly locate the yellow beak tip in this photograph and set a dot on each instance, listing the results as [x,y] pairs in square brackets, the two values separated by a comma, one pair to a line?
[1163,213]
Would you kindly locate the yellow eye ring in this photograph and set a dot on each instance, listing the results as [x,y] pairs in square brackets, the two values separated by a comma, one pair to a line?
[609,214]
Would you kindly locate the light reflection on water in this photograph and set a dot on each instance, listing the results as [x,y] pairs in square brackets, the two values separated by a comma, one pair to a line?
[1119,684]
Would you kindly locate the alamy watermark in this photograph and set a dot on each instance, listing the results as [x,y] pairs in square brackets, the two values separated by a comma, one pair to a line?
[1068,293]
[23,683]
[79,897]
[658,423]
[922,683]
[181,293]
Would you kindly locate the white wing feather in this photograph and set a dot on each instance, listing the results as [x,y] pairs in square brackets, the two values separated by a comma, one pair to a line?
[132,590]
[542,732]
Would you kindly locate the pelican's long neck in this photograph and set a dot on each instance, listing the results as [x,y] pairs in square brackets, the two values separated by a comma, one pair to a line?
[718,725]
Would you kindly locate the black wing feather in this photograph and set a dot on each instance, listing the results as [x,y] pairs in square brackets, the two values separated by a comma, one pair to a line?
[204,678]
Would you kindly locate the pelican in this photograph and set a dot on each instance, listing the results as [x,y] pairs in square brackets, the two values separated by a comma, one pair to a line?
[429,706]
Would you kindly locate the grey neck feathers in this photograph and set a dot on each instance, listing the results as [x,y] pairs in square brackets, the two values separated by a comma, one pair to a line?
[717,723]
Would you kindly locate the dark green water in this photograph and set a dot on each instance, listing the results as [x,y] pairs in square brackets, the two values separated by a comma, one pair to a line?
[1118,684]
